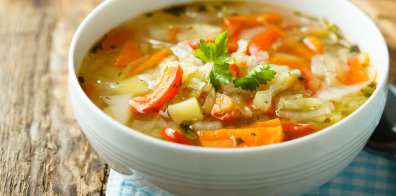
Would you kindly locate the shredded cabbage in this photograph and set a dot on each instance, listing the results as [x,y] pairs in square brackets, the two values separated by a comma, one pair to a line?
[337,94]
[198,31]
[263,99]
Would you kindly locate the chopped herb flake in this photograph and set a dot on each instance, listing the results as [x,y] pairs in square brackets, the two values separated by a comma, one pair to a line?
[108,97]
[186,129]
[327,120]
[354,49]
[217,7]
[301,40]
[81,79]
[238,141]
[301,78]
[97,47]
[369,89]
[252,134]
[177,11]
[202,8]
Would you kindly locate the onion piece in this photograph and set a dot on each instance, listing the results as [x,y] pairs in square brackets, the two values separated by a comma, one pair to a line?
[301,104]
[337,94]
[117,99]
[198,31]
[121,113]
[209,102]
[304,115]
[182,50]
[207,125]
[119,106]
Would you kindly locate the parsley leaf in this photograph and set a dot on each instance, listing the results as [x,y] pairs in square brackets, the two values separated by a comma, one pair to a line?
[216,53]
[259,75]
[203,52]
[220,72]
[219,49]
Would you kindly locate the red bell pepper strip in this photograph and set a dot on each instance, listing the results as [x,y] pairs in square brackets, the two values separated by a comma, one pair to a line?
[174,136]
[166,90]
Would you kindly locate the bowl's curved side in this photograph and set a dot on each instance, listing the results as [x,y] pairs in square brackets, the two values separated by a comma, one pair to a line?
[301,164]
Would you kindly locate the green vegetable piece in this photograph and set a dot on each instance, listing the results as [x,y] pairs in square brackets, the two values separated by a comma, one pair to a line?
[202,8]
[369,89]
[354,49]
[186,129]
[301,40]
[301,78]
[216,53]
[327,120]
[177,10]
[259,75]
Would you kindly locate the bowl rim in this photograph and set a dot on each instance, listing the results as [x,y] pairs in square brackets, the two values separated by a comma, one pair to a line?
[381,83]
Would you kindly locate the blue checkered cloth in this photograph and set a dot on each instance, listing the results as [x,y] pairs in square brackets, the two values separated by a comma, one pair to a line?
[369,174]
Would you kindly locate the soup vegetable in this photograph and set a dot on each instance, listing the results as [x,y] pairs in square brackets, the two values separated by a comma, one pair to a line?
[227,74]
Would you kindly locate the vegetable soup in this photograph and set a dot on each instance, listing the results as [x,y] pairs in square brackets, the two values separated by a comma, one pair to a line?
[227,74]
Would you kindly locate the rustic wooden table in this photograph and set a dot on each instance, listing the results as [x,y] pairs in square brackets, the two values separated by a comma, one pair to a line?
[42,148]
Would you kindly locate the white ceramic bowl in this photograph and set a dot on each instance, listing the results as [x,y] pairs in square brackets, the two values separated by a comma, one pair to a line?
[290,168]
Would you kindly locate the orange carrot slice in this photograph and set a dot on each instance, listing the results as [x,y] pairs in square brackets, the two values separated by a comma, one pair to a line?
[88,89]
[232,44]
[265,39]
[166,90]
[299,49]
[314,44]
[173,33]
[153,60]
[254,20]
[129,52]
[223,108]
[235,70]
[311,82]
[293,131]
[116,38]
[271,123]
[223,104]
[174,136]
[355,73]
[245,137]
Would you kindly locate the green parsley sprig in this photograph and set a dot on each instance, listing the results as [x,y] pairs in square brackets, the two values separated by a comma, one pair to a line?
[259,75]
[217,53]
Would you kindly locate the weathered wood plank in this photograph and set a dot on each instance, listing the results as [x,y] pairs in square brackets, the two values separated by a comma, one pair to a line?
[42,149]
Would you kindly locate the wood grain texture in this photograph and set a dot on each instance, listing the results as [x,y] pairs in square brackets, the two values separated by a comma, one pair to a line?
[42,148]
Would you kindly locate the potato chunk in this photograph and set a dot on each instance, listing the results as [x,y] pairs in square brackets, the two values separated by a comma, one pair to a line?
[186,110]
